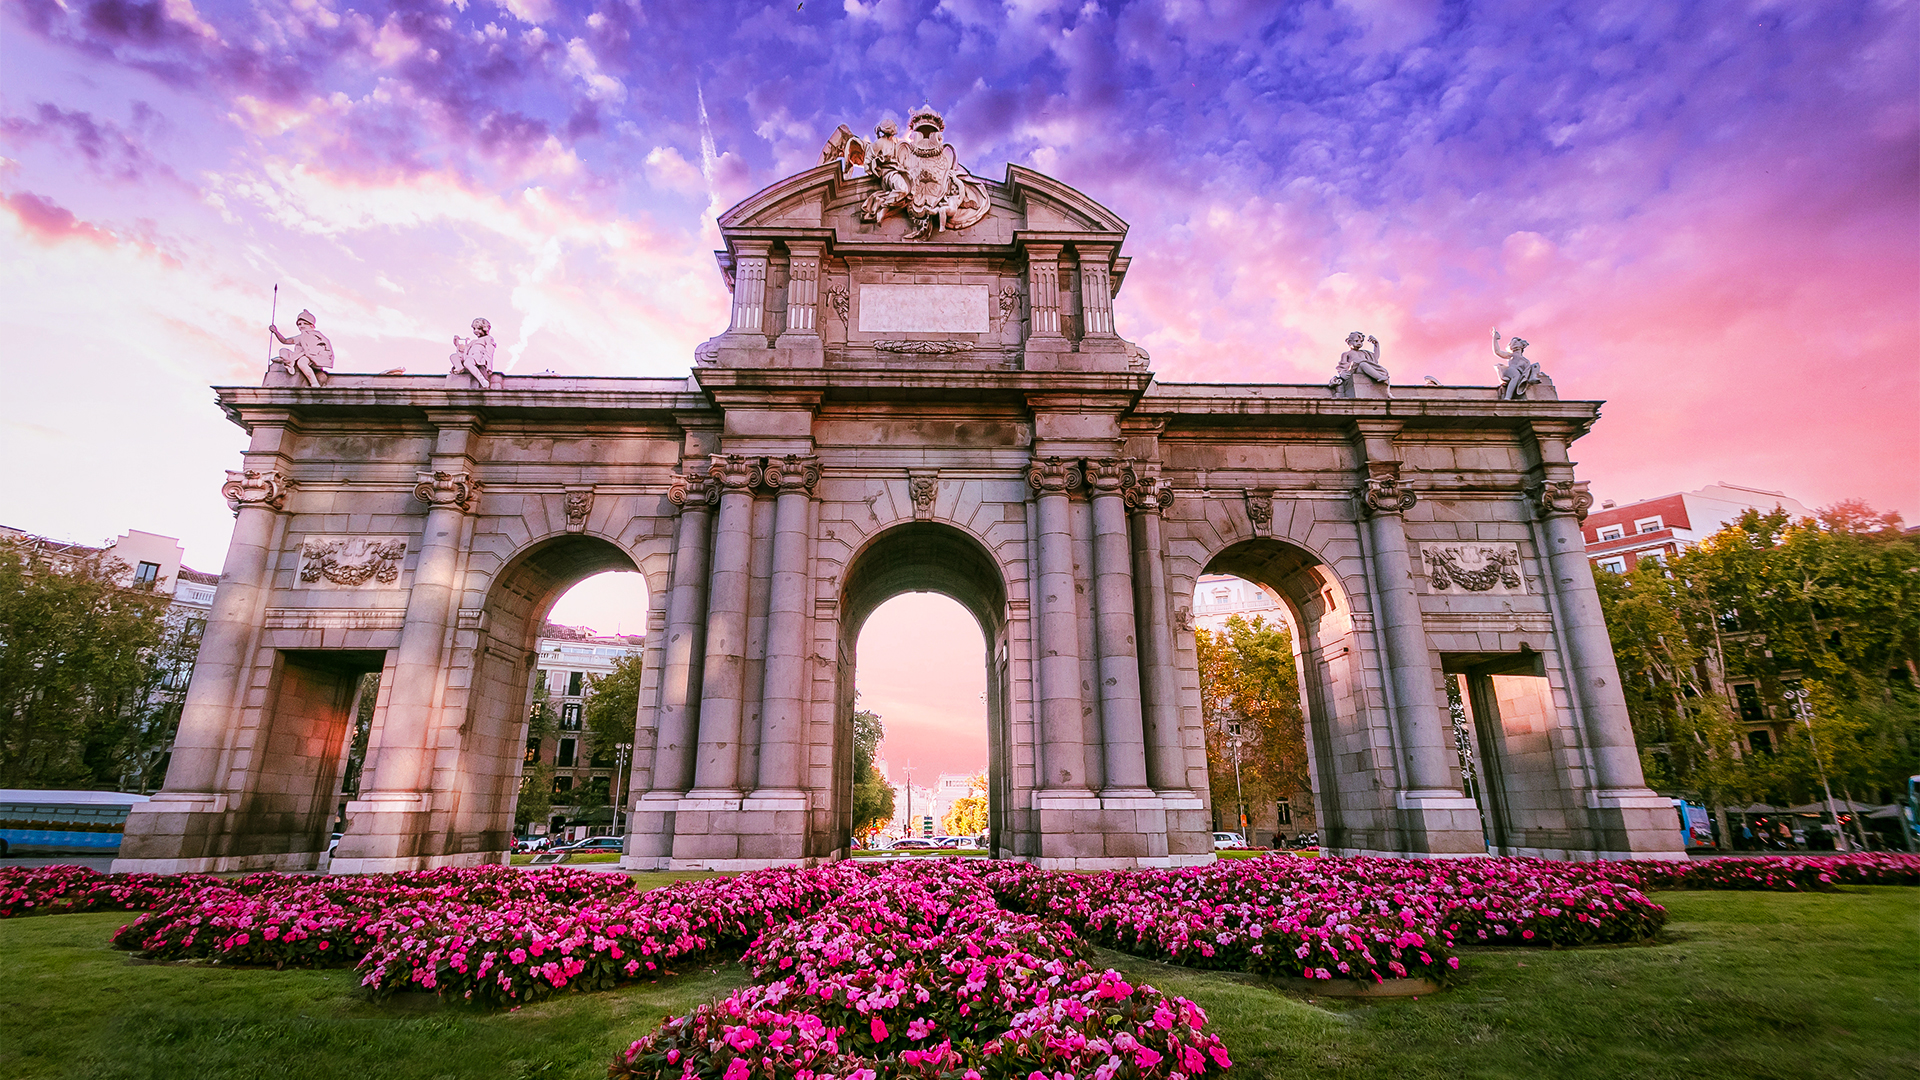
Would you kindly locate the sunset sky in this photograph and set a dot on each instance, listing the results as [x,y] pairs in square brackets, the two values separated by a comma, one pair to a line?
[1708,215]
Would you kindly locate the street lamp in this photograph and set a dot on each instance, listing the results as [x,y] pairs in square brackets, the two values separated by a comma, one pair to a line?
[1799,697]
[1236,740]
[621,752]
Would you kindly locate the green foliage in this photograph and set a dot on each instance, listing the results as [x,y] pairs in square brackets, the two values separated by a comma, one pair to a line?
[1822,616]
[872,795]
[1247,674]
[91,673]
[968,814]
[612,706]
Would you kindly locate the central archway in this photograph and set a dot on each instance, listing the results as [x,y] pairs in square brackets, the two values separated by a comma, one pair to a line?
[925,556]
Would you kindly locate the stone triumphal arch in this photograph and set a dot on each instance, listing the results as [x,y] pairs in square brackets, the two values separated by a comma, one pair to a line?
[921,388]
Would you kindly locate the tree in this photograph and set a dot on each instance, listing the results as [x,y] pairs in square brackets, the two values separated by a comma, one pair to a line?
[1248,677]
[968,814]
[1821,617]
[84,664]
[612,706]
[872,795]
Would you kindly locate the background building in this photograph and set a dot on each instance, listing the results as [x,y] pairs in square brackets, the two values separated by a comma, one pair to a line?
[1618,537]
[584,779]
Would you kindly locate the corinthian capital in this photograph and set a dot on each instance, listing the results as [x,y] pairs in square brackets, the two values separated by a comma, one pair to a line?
[733,472]
[1149,494]
[456,489]
[1561,497]
[1385,494]
[697,492]
[1054,476]
[265,488]
[1109,476]
[793,473]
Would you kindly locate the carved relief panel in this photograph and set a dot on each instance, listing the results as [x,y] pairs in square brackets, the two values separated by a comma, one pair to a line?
[351,562]
[1473,569]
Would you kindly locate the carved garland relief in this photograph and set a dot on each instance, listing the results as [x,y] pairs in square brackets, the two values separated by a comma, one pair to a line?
[349,562]
[1467,569]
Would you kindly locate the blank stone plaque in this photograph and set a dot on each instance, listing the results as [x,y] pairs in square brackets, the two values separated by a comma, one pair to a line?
[923,309]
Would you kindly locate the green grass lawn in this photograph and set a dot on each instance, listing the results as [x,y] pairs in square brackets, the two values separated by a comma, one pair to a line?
[1743,985]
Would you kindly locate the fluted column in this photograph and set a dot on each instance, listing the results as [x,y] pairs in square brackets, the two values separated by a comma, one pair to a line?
[257,497]
[1096,292]
[803,288]
[402,758]
[686,629]
[1118,660]
[1166,763]
[717,761]
[1064,753]
[783,696]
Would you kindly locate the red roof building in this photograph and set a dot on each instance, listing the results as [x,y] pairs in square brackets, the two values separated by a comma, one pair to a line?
[1618,537]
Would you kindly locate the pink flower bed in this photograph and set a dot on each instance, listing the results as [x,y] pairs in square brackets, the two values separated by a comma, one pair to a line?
[916,972]
[59,890]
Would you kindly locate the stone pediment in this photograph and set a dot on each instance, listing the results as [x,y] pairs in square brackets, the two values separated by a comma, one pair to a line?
[826,201]
[892,254]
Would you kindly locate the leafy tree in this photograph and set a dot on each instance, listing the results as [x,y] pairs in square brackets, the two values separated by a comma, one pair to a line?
[85,668]
[1248,677]
[872,795]
[1821,615]
[968,814]
[612,706]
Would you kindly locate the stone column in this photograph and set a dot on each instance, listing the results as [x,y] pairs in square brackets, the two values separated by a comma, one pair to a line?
[1435,816]
[783,697]
[1593,675]
[686,626]
[387,824]
[1121,726]
[1064,754]
[717,761]
[1166,761]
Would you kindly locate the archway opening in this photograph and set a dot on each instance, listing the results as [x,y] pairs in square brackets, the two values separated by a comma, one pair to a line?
[923,638]
[919,675]
[586,693]
[558,667]
[1272,632]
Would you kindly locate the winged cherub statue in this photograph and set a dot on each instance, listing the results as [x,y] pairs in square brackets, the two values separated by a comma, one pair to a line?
[474,355]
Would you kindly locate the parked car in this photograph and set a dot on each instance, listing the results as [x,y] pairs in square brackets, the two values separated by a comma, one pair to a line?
[1228,840]
[910,842]
[598,843]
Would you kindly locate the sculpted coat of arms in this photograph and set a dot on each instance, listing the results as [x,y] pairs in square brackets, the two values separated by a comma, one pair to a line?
[1473,568]
[920,176]
[350,561]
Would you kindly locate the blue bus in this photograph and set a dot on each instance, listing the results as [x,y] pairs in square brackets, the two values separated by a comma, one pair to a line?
[39,822]
[1696,825]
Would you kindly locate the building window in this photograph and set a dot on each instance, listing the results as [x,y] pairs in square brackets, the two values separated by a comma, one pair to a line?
[562,785]
[602,757]
[1283,812]
[1617,564]
[146,574]
[565,760]
[1761,740]
[574,679]
[1612,532]
[1748,697]
[1654,556]
[533,751]
[570,716]
[1647,525]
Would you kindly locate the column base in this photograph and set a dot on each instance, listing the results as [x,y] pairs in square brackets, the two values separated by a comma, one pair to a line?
[1634,823]
[1439,822]
[725,830]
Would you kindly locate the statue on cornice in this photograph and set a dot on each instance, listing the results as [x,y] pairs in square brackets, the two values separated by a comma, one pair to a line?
[920,176]
[1520,374]
[311,353]
[474,355]
[1359,362]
